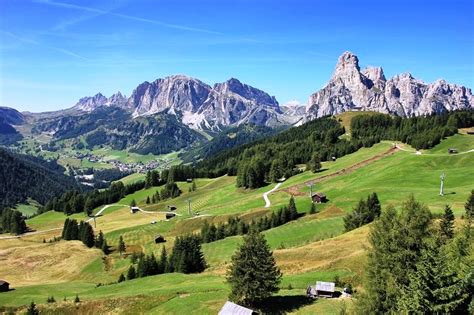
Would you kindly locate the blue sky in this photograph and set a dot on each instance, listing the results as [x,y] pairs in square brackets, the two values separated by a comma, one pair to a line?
[52,52]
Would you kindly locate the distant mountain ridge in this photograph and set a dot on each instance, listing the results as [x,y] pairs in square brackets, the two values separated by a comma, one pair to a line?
[351,88]
[195,103]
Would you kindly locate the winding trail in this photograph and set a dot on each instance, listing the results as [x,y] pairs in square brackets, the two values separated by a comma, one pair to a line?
[265,195]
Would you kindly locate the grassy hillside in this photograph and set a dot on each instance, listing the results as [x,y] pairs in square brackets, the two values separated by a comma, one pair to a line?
[312,248]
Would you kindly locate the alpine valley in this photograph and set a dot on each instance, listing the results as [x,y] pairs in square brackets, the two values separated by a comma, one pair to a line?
[190,198]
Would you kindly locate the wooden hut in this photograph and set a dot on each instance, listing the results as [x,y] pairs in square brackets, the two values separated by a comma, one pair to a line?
[325,289]
[159,239]
[170,215]
[318,197]
[452,150]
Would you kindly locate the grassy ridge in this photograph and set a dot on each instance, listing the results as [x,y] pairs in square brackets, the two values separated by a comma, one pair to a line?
[309,249]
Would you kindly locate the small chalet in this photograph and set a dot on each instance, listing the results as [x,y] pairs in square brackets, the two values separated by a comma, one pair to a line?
[189,180]
[134,209]
[170,215]
[470,132]
[159,239]
[333,158]
[321,289]
[452,150]
[230,308]
[172,208]
[318,198]
[4,286]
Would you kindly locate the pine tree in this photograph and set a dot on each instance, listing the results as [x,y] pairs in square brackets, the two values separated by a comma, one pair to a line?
[312,210]
[434,286]
[133,203]
[397,242]
[88,235]
[148,200]
[153,199]
[121,278]
[194,186]
[315,163]
[148,180]
[469,206]
[121,246]
[374,207]
[105,247]
[292,209]
[447,223]
[32,310]
[76,299]
[131,274]
[253,274]
[163,264]
[65,233]
[99,241]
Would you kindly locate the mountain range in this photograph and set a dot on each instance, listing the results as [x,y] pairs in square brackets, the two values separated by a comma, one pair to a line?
[180,107]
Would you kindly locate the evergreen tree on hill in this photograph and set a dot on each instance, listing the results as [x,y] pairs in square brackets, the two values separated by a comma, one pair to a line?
[447,223]
[469,206]
[121,246]
[131,274]
[253,274]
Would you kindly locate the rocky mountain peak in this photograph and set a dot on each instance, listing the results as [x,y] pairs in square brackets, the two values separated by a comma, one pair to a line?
[352,89]
[347,62]
[375,74]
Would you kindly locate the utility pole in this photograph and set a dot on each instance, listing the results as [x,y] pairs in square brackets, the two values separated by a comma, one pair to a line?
[441,189]
[189,206]
[310,185]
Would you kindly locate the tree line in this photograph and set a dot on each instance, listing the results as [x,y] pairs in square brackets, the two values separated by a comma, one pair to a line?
[12,221]
[85,233]
[75,201]
[186,257]
[419,265]
[365,212]
[235,226]
[422,132]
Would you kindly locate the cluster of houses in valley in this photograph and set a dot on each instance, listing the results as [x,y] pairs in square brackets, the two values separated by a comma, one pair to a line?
[138,167]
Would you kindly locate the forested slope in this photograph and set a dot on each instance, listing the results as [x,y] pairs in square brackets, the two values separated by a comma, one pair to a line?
[23,176]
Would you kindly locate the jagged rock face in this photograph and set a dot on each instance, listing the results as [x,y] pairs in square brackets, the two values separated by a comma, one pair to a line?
[351,88]
[203,107]
[172,94]
[90,103]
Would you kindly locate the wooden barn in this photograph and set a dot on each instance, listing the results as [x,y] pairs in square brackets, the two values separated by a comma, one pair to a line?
[134,209]
[189,180]
[321,289]
[172,208]
[452,150]
[4,286]
[159,239]
[318,197]
[170,215]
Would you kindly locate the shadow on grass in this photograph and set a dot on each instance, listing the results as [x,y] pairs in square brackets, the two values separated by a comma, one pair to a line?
[283,304]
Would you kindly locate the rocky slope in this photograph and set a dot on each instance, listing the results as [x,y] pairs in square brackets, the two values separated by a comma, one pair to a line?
[201,106]
[90,103]
[351,88]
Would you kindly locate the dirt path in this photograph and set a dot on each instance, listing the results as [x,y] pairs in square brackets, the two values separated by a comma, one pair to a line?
[295,190]
[265,195]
